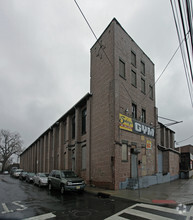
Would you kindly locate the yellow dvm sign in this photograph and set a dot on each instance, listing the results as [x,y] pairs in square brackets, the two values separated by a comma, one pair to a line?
[125,123]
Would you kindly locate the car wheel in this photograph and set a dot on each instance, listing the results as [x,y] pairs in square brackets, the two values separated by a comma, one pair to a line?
[49,186]
[62,189]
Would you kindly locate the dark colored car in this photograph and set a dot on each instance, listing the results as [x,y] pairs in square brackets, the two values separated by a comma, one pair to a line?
[22,175]
[29,177]
[65,180]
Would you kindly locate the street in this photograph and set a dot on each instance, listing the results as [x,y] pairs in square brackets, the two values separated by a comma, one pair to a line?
[21,200]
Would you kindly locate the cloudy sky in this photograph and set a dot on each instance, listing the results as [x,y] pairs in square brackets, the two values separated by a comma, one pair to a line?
[45,59]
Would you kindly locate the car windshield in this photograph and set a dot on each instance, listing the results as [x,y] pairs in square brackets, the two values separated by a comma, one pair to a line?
[68,174]
[19,170]
[42,175]
[31,174]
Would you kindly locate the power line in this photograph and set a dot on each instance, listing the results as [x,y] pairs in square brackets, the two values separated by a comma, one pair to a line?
[182,13]
[184,139]
[101,46]
[168,119]
[86,20]
[163,71]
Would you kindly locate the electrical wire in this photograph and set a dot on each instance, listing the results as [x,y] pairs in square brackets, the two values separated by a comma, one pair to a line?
[184,139]
[101,46]
[182,13]
[163,71]
[86,20]
[168,119]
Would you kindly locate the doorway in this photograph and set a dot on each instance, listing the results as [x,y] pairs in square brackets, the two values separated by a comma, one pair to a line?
[134,166]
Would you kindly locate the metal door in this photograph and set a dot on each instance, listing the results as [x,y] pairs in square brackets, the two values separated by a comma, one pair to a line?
[134,166]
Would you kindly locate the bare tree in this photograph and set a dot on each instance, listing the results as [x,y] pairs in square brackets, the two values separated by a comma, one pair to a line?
[10,144]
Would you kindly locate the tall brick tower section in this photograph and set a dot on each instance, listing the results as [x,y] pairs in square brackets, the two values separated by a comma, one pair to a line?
[122,79]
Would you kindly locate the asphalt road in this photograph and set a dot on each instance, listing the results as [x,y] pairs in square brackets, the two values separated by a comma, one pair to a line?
[21,200]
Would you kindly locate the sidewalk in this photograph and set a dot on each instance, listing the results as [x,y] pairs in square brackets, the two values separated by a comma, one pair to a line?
[175,192]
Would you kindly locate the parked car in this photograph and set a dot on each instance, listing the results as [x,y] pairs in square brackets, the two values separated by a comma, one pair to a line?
[40,179]
[5,172]
[22,175]
[12,170]
[17,172]
[65,180]
[29,177]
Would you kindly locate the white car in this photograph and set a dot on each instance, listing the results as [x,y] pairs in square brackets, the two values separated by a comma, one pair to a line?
[17,172]
[40,179]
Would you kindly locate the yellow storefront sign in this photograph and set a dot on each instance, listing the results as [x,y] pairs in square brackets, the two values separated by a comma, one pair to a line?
[125,123]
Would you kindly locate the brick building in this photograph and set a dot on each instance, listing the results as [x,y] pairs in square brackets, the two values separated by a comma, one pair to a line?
[109,136]
[168,155]
[186,161]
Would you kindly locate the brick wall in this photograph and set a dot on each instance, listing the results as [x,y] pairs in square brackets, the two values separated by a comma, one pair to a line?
[113,94]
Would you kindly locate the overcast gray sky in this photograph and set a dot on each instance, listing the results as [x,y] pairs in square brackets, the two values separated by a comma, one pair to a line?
[45,59]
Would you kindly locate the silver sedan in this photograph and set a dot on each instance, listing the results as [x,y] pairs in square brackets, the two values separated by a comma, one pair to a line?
[40,179]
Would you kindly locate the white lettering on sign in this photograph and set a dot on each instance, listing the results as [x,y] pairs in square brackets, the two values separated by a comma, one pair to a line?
[144,129]
[137,127]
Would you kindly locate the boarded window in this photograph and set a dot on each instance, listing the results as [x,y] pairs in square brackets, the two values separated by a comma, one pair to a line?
[124,152]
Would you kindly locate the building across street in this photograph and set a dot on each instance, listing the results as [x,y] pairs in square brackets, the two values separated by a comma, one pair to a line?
[111,137]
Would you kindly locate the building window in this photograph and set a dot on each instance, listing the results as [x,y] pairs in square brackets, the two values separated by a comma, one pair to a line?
[84,121]
[73,127]
[151,92]
[143,116]
[134,111]
[83,157]
[143,85]
[133,58]
[124,152]
[143,68]
[121,68]
[64,161]
[133,78]
[64,131]
[172,140]
[162,135]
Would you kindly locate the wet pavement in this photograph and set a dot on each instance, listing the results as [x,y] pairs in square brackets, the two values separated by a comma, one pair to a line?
[21,200]
[176,192]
